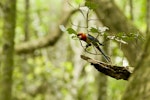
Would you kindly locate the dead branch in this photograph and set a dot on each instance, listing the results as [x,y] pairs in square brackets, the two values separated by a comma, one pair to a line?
[117,72]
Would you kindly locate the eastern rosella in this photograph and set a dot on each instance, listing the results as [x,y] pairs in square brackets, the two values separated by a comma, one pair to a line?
[91,40]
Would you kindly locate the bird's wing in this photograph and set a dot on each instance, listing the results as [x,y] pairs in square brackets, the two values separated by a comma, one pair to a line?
[93,39]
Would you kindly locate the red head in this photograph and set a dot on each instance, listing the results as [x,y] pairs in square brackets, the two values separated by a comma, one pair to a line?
[82,36]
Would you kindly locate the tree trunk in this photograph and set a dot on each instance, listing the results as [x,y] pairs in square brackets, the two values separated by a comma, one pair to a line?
[8,49]
[102,86]
[148,17]
[27,20]
[131,9]
[23,57]
[139,83]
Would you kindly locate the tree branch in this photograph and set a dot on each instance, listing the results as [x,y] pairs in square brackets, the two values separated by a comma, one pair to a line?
[111,16]
[117,72]
[48,40]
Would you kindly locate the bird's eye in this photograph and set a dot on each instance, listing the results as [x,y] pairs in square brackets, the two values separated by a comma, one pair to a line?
[79,34]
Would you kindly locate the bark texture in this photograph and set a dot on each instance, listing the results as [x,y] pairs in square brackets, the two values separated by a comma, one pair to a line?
[117,72]
[8,49]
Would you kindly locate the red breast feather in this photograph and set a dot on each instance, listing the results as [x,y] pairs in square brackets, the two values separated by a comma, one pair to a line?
[82,36]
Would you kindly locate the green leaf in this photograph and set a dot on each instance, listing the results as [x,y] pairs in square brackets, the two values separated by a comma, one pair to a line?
[94,30]
[119,35]
[71,31]
[79,1]
[91,5]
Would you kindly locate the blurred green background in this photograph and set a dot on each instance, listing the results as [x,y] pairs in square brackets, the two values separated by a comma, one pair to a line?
[57,72]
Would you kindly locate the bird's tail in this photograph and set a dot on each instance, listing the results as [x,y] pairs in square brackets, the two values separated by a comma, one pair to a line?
[105,56]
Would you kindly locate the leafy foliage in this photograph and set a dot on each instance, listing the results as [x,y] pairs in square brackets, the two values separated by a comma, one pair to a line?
[94,30]
[79,1]
[91,5]
[71,31]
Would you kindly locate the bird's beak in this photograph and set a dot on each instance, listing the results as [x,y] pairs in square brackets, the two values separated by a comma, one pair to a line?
[79,36]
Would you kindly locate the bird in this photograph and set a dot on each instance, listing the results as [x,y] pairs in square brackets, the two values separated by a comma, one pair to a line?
[91,40]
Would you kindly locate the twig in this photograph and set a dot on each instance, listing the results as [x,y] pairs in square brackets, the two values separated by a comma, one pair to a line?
[49,40]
